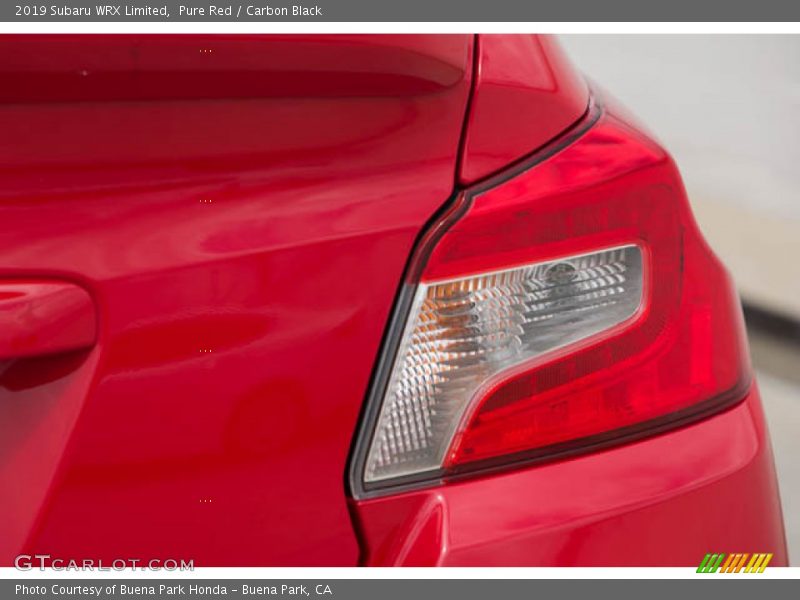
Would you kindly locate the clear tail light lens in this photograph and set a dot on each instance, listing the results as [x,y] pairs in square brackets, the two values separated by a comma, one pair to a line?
[465,332]
[570,305]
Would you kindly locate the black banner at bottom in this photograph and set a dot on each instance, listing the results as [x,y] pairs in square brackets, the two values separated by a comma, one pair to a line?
[705,586]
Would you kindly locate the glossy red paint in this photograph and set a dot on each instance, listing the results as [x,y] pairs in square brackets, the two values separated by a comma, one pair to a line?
[243,248]
[38,318]
[526,94]
[86,68]
[661,501]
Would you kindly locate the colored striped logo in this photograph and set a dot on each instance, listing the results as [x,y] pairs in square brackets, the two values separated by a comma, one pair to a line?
[734,563]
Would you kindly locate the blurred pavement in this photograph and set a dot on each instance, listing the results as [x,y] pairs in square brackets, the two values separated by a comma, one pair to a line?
[777,363]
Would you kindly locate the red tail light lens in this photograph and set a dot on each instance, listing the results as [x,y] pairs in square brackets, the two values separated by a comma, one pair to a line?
[571,305]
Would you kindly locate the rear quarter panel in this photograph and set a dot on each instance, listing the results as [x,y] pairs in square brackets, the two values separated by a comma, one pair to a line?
[240,209]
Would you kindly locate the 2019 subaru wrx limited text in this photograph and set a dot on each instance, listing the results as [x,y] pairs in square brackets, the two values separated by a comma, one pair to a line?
[340,300]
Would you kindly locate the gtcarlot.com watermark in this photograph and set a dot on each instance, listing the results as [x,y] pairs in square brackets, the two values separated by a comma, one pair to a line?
[42,562]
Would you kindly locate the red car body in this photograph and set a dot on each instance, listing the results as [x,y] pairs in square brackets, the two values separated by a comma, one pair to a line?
[237,214]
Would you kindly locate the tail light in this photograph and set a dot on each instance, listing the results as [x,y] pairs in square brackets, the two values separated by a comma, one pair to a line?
[565,306]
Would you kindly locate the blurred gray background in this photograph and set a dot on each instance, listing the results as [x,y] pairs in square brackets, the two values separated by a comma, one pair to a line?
[728,109]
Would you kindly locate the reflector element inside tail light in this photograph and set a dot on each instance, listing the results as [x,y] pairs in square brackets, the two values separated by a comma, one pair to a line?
[463,332]
[563,307]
